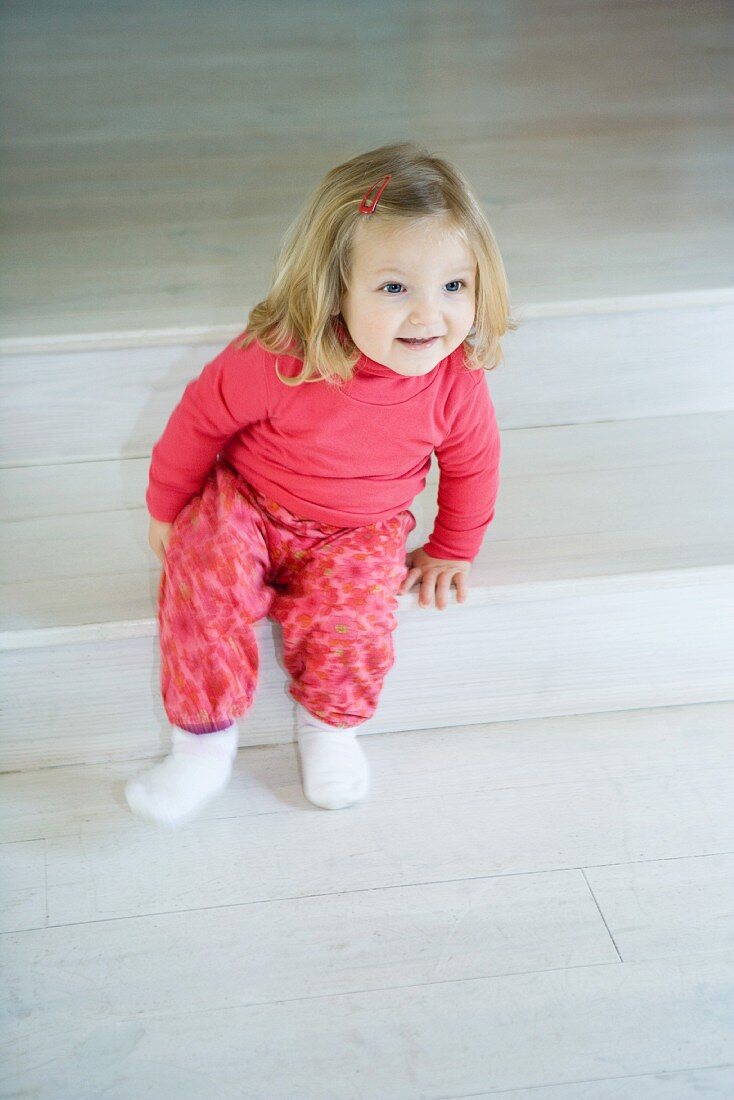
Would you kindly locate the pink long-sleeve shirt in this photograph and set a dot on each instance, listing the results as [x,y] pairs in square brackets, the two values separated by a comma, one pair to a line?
[346,456]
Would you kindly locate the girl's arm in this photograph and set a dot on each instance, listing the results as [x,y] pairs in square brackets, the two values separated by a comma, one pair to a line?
[230,393]
[468,461]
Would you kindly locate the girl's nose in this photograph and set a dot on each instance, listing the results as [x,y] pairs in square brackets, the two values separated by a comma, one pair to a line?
[423,312]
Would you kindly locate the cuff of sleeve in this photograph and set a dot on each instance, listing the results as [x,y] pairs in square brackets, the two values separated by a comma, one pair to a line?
[163,506]
[438,549]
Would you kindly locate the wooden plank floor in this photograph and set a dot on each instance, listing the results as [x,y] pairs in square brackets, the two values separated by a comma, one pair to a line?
[152,157]
[541,908]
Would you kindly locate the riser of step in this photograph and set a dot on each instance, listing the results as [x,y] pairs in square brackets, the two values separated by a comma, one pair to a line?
[600,645]
[576,501]
[110,402]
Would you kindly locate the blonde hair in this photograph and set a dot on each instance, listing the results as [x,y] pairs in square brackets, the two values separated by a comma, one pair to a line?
[300,315]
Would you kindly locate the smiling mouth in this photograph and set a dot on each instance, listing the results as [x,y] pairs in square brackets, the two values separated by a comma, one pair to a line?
[415,343]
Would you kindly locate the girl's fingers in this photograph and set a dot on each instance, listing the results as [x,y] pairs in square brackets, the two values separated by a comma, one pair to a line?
[412,577]
[428,583]
[462,587]
[442,590]
[431,580]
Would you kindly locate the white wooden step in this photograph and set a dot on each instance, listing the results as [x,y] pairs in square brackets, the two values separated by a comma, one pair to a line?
[576,501]
[605,583]
[574,364]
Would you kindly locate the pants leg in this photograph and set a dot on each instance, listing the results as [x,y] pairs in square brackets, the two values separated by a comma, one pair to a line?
[212,590]
[337,613]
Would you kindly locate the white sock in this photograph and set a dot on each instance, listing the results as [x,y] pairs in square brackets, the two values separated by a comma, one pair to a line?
[198,768]
[334,769]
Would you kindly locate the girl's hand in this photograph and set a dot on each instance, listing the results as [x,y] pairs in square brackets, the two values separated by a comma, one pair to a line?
[435,574]
[158,535]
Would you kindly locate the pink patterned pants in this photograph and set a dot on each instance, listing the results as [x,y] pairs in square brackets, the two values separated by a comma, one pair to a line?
[234,556]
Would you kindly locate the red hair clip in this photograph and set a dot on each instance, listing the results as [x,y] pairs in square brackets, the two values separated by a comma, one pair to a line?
[368,204]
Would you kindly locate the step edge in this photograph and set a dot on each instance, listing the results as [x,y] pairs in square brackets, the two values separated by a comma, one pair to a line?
[480,595]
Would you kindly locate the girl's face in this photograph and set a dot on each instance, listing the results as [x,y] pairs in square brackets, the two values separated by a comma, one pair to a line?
[410,299]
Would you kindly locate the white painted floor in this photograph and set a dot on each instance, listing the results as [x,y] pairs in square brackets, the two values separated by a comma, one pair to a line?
[541,909]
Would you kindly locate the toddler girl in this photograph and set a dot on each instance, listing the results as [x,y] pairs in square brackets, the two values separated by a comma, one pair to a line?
[282,483]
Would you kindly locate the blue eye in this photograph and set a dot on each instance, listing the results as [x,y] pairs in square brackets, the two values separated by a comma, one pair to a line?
[395,288]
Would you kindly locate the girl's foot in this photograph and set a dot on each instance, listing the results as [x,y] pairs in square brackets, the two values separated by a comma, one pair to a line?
[334,769]
[198,769]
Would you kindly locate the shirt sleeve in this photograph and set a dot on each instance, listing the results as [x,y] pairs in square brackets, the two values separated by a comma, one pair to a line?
[468,461]
[230,393]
